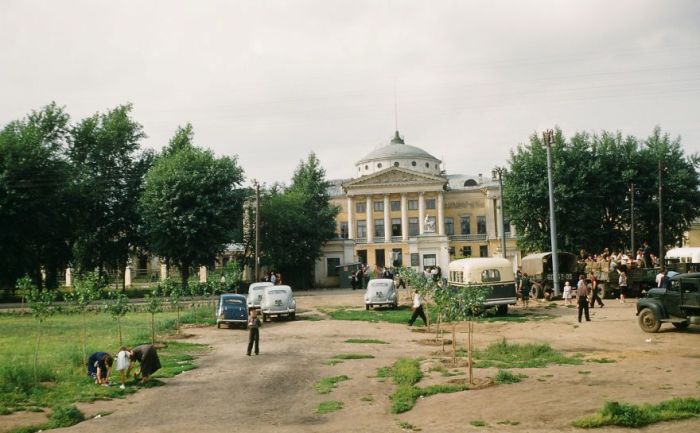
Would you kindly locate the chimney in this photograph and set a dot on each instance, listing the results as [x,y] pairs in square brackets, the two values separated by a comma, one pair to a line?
[481,178]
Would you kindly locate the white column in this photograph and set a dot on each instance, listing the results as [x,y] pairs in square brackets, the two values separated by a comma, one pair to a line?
[421,213]
[202,274]
[351,223]
[163,271]
[370,220]
[69,277]
[404,217]
[440,215]
[127,276]
[387,219]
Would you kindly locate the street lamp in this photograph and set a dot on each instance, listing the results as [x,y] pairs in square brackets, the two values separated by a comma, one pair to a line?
[500,171]
[632,244]
[548,137]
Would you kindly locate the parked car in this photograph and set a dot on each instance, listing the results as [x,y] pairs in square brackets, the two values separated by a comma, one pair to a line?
[496,273]
[255,294]
[278,301]
[381,291]
[232,309]
[679,304]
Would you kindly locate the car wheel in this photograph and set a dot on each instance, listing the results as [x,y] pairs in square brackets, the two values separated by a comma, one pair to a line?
[502,310]
[367,307]
[648,322]
[681,325]
[218,325]
[264,317]
[292,316]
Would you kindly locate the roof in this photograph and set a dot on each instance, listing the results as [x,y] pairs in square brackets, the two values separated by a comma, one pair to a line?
[480,262]
[397,149]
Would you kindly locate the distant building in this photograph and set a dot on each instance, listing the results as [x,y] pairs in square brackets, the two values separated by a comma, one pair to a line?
[403,210]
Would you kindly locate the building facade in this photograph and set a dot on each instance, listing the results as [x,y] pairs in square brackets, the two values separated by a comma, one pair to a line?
[403,210]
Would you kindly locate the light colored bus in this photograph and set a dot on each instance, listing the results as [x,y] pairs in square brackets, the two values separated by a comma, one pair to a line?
[496,273]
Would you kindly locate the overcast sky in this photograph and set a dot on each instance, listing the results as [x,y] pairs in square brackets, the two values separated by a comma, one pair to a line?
[271,81]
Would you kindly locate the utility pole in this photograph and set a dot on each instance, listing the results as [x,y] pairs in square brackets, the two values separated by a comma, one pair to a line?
[632,217]
[548,137]
[661,217]
[257,231]
[500,171]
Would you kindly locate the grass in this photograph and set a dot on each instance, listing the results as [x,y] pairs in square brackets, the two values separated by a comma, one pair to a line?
[332,362]
[367,398]
[584,372]
[629,415]
[478,423]
[508,422]
[408,426]
[402,315]
[505,376]
[344,356]
[328,406]
[503,354]
[62,416]
[61,373]
[601,360]
[327,384]
[365,341]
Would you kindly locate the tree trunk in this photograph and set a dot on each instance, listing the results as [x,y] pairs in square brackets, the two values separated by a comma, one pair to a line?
[153,328]
[36,350]
[185,274]
[469,345]
[437,330]
[177,321]
[454,344]
[82,314]
[119,330]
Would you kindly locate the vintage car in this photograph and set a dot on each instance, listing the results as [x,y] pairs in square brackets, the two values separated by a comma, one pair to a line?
[232,309]
[278,301]
[255,294]
[496,273]
[679,304]
[381,291]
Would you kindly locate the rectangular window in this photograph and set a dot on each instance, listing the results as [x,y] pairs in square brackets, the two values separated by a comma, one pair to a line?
[344,229]
[396,226]
[395,206]
[361,229]
[483,250]
[465,223]
[449,226]
[413,205]
[430,203]
[481,225]
[332,264]
[413,229]
[362,256]
[379,228]
[360,207]
[397,257]
[414,259]
[466,251]
[452,251]
[429,260]
[506,226]
[378,206]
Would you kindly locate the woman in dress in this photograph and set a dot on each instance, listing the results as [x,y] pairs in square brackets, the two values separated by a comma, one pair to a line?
[98,366]
[148,360]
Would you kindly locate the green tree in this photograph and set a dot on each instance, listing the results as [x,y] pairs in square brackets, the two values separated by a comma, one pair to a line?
[154,305]
[109,177]
[191,208]
[297,221]
[174,292]
[117,307]
[87,289]
[41,304]
[36,197]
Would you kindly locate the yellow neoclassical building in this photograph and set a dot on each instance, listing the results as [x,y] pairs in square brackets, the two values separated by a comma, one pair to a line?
[402,209]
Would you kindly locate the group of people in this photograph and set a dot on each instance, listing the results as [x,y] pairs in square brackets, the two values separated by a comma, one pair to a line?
[99,364]
[272,277]
[643,258]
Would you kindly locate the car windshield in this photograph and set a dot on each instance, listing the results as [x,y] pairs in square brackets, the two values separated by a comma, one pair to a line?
[258,289]
[379,284]
[277,292]
[232,301]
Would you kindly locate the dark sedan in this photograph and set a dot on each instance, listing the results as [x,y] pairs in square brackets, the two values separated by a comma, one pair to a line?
[232,309]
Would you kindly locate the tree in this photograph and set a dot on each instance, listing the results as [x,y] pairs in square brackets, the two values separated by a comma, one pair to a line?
[174,292]
[41,304]
[117,308]
[591,175]
[109,176]
[154,305]
[297,221]
[86,290]
[191,208]
[36,197]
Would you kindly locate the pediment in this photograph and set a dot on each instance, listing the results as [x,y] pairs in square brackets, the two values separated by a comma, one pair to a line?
[395,176]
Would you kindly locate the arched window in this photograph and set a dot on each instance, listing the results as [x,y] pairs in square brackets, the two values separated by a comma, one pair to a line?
[413,163]
[470,182]
[366,167]
[379,165]
[427,165]
[396,164]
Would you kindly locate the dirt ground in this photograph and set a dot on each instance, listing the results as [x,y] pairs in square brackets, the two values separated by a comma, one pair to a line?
[274,392]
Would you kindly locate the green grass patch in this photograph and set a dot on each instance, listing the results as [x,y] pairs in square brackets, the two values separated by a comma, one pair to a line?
[503,354]
[584,372]
[329,406]
[399,315]
[332,362]
[478,423]
[367,398]
[505,376]
[634,416]
[327,384]
[516,317]
[408,426]
[406,371]
[344,356]
[601,360]
[365,341]
[62,416]
[508,422]
[310,317]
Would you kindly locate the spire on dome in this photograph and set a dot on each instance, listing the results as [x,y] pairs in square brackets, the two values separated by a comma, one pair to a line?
[397,139]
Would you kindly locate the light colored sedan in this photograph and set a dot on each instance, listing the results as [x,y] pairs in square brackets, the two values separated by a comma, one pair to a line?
[381,292]
[255,294]
[278,301]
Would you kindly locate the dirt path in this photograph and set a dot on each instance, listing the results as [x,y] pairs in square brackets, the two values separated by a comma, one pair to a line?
[274,392]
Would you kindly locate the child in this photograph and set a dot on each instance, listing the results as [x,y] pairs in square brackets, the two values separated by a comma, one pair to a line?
[254,326]
[122,365]
[567,293]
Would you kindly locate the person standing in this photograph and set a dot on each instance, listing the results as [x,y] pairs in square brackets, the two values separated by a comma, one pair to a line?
[595,291]
[567,293]
[646,255]
[622,283]
[254,336]
[582,298]
[417,309]
[525,287]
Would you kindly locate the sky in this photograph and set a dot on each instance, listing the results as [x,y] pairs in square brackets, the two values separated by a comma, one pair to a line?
[272,81]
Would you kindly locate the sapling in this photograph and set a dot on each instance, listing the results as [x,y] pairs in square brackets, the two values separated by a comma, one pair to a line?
[154,305]
[174,293]
[85,291]
[118,307]
[23,286]
[41,304]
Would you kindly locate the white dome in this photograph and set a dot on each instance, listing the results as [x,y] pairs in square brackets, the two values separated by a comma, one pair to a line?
[398,154]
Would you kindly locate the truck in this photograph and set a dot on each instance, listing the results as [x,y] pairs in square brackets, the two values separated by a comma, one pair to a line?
[679,304]
[538,267]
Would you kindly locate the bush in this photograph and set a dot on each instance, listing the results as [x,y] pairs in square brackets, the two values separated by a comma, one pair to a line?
[504,376]
[19,377]
[630,415]
[65,416]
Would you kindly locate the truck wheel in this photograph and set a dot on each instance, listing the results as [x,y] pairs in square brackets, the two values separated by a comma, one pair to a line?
[367,307]
[264,317]
[648,322]
[218,325]
[681,325]
[502,310]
